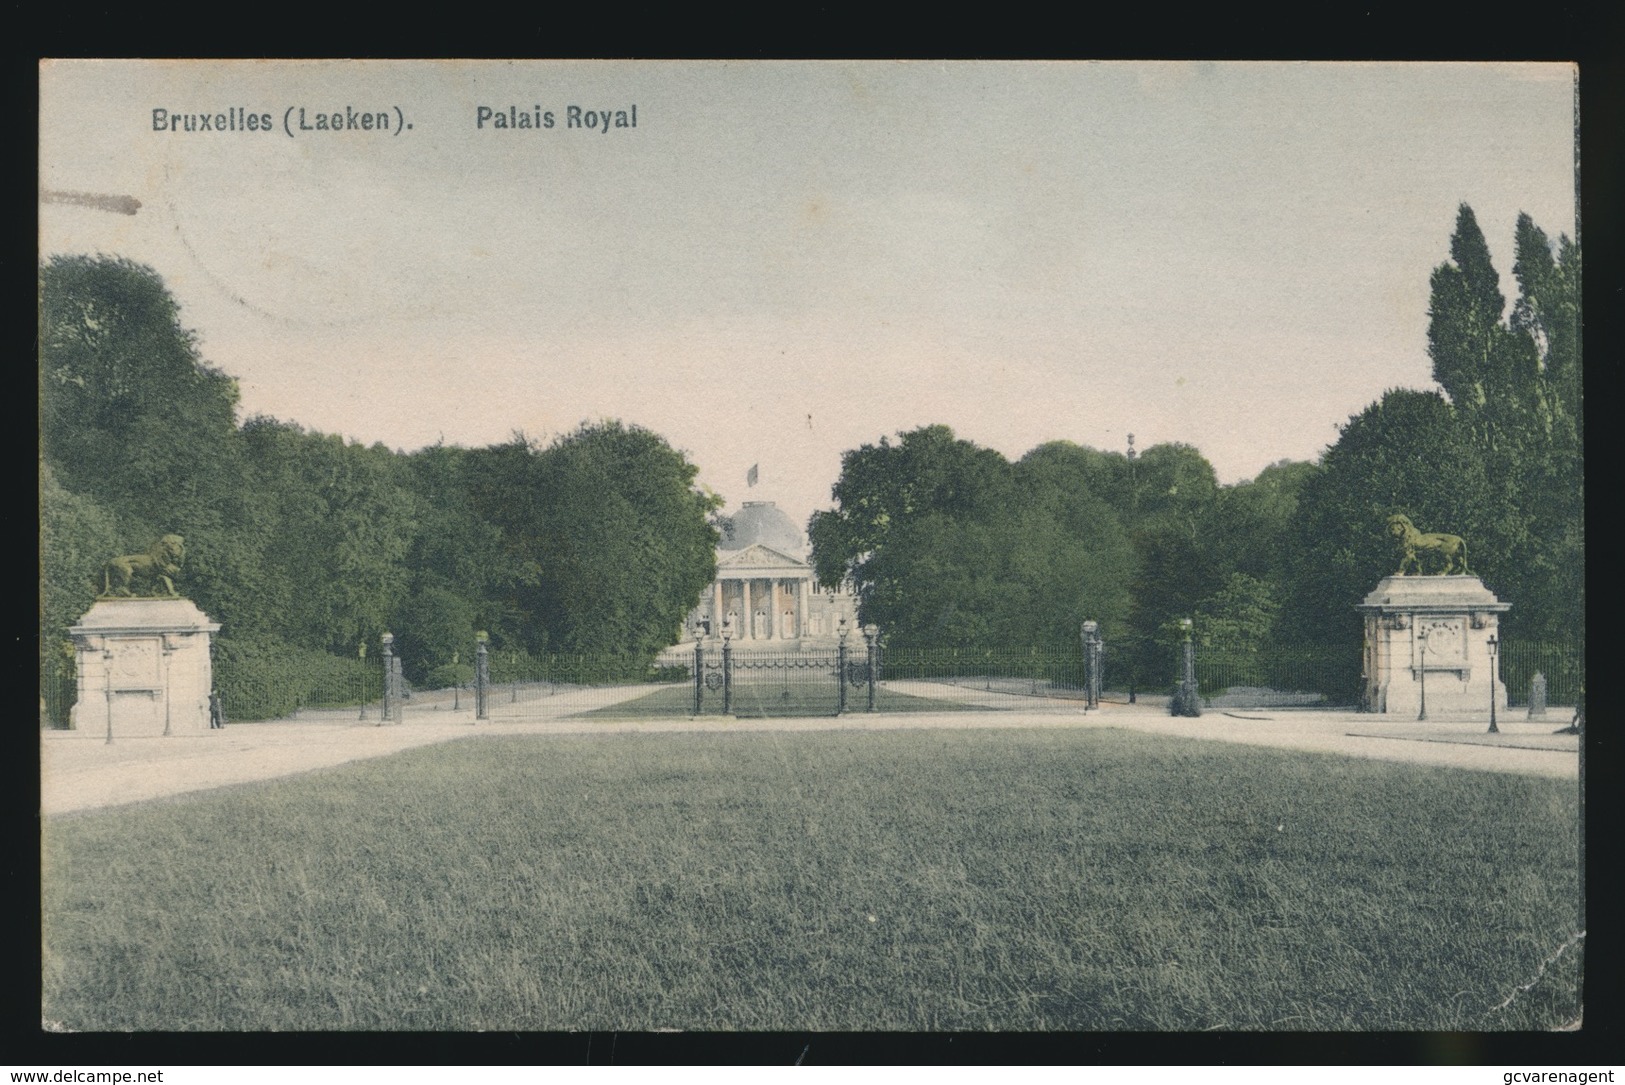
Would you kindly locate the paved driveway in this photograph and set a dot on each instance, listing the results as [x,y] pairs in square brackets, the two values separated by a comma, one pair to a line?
[82,771]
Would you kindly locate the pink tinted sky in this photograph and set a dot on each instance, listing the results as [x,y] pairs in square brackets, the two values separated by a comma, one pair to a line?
[785,260]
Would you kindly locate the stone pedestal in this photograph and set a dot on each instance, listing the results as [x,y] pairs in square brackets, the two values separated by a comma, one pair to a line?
[1429,636]
[144,667]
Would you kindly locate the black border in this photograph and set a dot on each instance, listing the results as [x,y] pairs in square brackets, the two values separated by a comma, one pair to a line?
[1589,35]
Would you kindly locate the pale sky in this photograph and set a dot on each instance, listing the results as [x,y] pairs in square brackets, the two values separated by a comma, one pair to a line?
[782,261]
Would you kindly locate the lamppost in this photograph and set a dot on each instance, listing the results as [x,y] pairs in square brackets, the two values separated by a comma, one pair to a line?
[1091,661]
[727,666]
[840,662]
[482,672]
[107,687]
[168,650]
[388,640]
[871,633]
[1188,703]
[1422,669]
[699,667]
[361,654]
[1493,645]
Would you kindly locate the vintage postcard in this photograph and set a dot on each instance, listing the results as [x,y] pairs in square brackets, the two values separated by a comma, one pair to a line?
[836,546]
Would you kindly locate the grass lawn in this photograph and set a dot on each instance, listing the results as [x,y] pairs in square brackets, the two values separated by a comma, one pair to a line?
[764,699]
[1027,879]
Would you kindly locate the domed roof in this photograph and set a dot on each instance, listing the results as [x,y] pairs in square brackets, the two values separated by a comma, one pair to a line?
[762,522]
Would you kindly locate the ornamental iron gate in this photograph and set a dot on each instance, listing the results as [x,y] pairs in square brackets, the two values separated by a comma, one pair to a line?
[804,683]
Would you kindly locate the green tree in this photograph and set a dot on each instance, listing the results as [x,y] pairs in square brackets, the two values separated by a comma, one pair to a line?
[132,417]
[885,487]
[612,541]
[1408,452]
[127,407]
[77,537]
[1175,488]
[1068,470]
[1076,544]
[951,545]
[1499,462]
[1174,497]
[1516,386]
[338,526]
[1252,522]
[434,628]
[1464,312]
[1239,618]
[455,551]
[1550,470]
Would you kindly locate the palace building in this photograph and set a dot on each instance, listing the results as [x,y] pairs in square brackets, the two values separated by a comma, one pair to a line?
[765,589]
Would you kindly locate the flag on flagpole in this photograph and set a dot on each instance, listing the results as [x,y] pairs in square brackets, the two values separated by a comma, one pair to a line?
[751,475]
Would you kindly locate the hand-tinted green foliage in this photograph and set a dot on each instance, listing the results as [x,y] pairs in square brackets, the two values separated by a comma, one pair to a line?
[436,631]
[339,527]
[1020,580]
[302,543]
[126,404]
[1180,559]
[1239,617]
[1252,524]
[612,540]
[950,544]
[1550,462]
[77,537]
[1174,489]
[267,677]
[1548,311]
[1500,463]
[885,487]
[1404,453]
[131,417]
[1464,316]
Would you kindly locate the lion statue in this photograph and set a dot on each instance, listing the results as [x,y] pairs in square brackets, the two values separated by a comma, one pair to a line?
[1450,549]
[150,573]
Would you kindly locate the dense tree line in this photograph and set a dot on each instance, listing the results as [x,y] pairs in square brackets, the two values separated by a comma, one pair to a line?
[601,541]
[1494,455]
[305,542]
[949,543]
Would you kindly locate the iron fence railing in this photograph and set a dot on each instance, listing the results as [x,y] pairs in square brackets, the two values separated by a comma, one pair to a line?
[267,689]
[524,683]
[58,689]
[1012,672]
[1560,662]
[817,681]
[1279,677]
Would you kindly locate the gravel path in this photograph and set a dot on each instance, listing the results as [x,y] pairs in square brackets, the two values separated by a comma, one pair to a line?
[80,771]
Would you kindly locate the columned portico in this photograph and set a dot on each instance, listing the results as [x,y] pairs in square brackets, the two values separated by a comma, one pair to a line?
[766,588]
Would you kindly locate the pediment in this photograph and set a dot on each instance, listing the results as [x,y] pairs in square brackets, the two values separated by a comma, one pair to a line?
[758,556]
